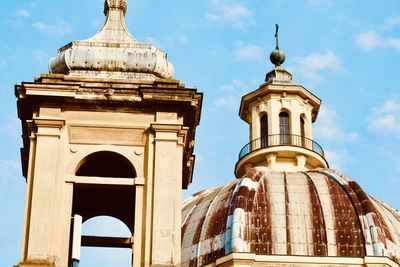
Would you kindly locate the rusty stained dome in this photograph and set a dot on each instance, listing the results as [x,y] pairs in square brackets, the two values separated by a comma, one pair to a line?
[314,213]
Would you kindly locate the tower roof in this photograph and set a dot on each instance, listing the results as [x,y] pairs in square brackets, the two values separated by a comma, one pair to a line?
[315,213]
[113,52]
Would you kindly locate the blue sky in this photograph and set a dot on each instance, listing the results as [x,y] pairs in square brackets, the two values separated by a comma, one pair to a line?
[345,52]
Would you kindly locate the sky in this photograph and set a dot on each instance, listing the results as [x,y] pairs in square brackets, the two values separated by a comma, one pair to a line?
[345,52]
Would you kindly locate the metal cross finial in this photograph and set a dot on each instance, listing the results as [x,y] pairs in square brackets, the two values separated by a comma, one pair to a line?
[276,36]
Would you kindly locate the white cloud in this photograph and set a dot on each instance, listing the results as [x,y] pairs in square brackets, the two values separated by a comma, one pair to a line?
[231,95]
[224,11]
[390,23]
[385,118]
[248,51]
[170,41]
[371,39]
[312,65]
[40,57]
[231,87]
[59,28]
[9,169]
[22,13]
[337,158]
[10,126]
[328,128]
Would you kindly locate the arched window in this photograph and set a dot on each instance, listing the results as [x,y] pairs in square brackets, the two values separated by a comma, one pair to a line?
[264,130]
[284,128]
[302,132]
[106,164]
[92,200]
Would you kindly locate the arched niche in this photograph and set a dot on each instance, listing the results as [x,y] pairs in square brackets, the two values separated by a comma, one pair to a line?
[106,164]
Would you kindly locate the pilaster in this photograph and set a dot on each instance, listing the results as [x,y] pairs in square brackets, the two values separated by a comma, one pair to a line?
[42,192]
[167,184]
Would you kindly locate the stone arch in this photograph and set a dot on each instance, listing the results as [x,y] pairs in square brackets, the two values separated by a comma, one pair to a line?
[106,164]
[83,152]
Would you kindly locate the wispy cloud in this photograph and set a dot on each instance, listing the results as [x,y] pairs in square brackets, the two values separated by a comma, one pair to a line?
[10,126]
[59,28]
[369,40]
[337,158]
[40,57]
[248,51]
[374,38]
[334,138]
[22,13]
[168,42]
[9,169]
[385,119]
[231,94]
[329,129]
[390,23]
[312,65]
[225,11]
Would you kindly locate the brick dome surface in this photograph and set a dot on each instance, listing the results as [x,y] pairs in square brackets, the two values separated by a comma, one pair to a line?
[314,213]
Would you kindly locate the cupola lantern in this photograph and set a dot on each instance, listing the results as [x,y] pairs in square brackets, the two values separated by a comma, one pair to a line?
[280,114]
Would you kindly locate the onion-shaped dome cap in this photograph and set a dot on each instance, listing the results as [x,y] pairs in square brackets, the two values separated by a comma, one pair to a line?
[314,213]
[112,52]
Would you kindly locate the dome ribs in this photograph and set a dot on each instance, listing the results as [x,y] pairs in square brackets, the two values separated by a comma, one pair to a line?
[370,211]
[318,219]
[349,241]
[260,224]
[287,213]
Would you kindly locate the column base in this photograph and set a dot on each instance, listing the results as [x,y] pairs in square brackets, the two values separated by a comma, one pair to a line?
[36,263]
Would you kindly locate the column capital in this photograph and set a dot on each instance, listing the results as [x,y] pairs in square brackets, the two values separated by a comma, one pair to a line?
[48,126]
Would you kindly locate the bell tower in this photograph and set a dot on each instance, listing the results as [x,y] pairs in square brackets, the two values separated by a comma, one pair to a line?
[108,131]
[280,114]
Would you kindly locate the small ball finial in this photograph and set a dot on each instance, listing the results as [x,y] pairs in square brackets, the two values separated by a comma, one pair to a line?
[277,57]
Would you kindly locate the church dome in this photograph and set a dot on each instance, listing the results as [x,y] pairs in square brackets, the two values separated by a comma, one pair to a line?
[319,213]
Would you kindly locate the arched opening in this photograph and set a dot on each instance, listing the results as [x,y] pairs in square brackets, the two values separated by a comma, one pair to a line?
[302,132]
[264,130]
[105,226]
[284,128]
[106,164]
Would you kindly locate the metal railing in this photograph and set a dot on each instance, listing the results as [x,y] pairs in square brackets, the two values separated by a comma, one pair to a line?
[281,140]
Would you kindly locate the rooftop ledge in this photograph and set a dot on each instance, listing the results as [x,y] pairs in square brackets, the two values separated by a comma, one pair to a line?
[282,148]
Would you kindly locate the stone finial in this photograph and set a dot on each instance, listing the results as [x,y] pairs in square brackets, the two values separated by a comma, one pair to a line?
[114,4]
[112,52]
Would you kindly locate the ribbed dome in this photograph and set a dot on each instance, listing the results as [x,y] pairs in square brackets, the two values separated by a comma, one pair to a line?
[315,213]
